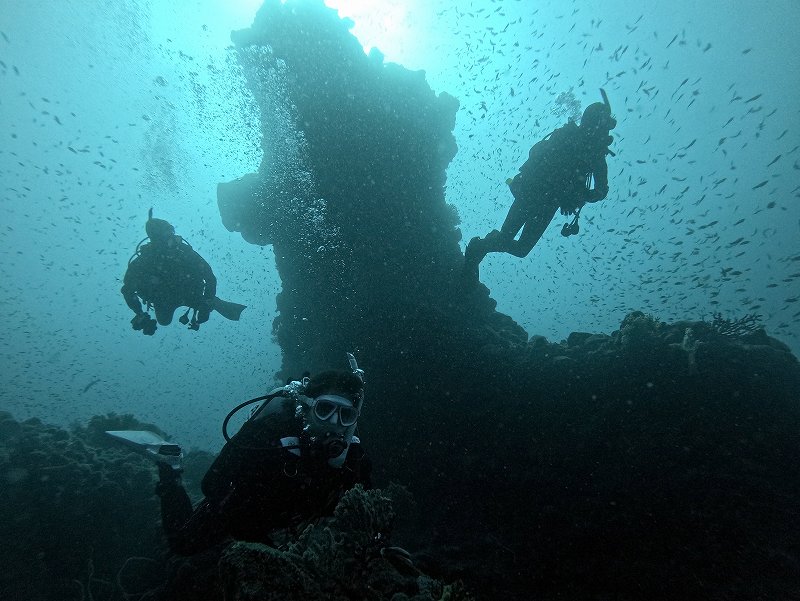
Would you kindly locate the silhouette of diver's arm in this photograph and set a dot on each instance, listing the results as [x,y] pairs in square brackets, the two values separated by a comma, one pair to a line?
[210,278]
[202,267]
[188,530]
[600,190]
[129,286]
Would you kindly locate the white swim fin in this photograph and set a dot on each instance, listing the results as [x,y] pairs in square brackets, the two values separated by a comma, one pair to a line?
[151,445]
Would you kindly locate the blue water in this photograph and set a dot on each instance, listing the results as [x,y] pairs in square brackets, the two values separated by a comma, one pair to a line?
[109,108]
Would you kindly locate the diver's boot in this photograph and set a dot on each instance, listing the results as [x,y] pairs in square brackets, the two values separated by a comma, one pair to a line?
[491,239]
[169,478]
[144,323]
[138,321]
[473,255]
[150,326]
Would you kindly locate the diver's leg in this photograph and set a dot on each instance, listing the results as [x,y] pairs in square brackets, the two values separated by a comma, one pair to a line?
[164,313]
[496,241]
[515,219]
[188,531]
[532,231]
[176,508]
[204,309]
[503,240]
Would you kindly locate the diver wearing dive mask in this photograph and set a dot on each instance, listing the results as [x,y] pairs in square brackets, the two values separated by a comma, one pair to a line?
[330,422]
[290,462]
[329,419]
[327,405]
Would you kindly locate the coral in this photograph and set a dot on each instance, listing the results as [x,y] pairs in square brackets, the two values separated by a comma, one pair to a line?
[338,558]
[436,591]
[348,547]
[637,330]
[737,328]
[74,510]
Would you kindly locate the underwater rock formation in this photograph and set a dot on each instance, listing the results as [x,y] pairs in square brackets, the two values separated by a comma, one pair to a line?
[71,511]
[350,193]
[81,521]
[341,558]
[654,462]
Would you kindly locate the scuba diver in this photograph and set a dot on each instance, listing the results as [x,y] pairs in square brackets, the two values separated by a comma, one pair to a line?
[290,463]
[565,170]
[167,273]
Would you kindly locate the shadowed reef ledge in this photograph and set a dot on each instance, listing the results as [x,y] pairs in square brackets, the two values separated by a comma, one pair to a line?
[653,462]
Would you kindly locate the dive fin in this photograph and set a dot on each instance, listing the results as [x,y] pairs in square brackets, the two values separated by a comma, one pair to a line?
[227,309]
[151,445]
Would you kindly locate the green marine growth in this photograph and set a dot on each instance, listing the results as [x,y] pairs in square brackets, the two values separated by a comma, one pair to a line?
[638,329]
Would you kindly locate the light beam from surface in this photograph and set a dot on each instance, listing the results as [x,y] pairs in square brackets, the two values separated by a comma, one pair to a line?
[382,24]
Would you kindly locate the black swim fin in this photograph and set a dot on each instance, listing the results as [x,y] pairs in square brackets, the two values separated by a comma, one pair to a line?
[227,309]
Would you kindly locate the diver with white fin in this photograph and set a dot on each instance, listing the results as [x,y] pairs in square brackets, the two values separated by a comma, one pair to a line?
[290,463]
[166,273]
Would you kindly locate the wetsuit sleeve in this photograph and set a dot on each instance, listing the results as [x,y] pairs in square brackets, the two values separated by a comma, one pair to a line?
[365,473]
[360,466]
[600,190]
[356,470]
[224,471]
[129,285]
[207,274]
[248,452]
[189,531]
[211,283]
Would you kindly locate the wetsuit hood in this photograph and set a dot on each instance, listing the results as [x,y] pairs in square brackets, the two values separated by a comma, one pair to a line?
[158,230]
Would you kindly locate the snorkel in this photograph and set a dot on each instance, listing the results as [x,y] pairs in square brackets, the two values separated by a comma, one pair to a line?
[358,401]
[605,99]
[612,122]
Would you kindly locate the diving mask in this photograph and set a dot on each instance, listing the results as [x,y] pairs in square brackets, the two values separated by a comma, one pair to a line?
[327,405]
